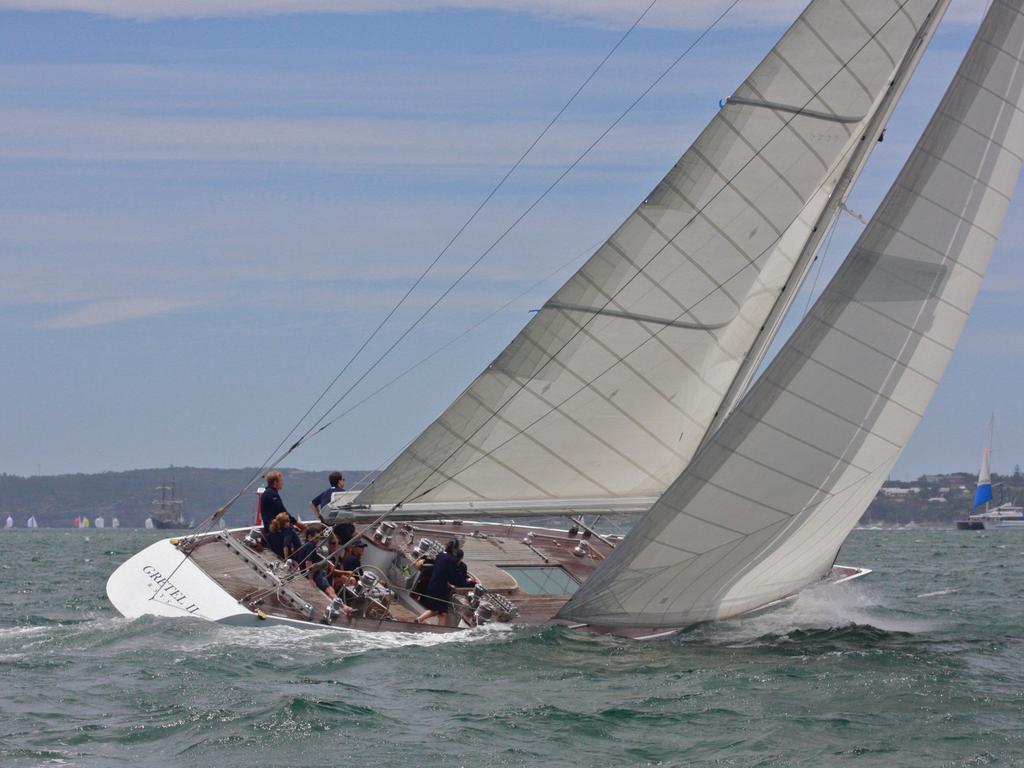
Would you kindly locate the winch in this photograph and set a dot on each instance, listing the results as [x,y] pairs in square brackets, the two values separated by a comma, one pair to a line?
[490,606]
[370,595]
[426,548]
[334,609]
[384,532]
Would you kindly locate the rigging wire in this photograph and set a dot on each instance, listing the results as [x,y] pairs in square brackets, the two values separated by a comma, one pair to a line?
[270,461]
[316,428]
[821,261]
[442,348]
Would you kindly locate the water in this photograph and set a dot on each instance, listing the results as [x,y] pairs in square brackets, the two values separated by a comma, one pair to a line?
[921,664]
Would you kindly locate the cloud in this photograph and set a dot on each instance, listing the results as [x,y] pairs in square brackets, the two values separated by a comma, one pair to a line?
[115,311]
[686,14]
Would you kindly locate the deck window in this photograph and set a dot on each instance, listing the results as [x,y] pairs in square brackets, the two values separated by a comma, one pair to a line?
[542,579]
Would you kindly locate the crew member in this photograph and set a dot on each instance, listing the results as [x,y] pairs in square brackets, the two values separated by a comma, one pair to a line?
[271,504]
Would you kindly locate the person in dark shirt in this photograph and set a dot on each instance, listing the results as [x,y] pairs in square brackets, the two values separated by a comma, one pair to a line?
[317,567]
[281,537]
[271,504]
[337,481]
[354,559]
[344,531]
[438,597]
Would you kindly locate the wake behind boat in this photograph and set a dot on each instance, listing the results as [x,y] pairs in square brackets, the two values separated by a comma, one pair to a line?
[630,387]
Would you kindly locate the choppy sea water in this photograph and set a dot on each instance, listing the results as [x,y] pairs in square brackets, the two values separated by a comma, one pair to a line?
[920,664]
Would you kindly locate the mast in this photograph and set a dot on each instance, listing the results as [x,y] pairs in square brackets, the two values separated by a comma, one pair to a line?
[872,131]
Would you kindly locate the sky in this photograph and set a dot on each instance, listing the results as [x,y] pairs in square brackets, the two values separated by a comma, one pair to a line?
[207,207]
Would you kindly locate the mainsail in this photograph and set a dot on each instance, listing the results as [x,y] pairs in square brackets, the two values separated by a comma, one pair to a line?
[764,507]
[611,387]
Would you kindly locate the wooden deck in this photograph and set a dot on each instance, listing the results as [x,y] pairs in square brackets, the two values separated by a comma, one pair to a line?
[488,547]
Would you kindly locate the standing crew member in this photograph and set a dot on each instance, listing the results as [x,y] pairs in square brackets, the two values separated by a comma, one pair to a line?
[271,504]
[344,531]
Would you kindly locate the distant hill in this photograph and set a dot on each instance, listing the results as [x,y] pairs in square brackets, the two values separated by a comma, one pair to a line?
[57,499]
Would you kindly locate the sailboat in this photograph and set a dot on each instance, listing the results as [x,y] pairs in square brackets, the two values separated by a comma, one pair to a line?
[630,390]
[1006,515]
[31,522]
[168,513]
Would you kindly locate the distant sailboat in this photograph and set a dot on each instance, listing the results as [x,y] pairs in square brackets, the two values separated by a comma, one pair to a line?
[31,523]
[629,389]
[9,523]
[148,523]
[99,522]
[1006,515]
[85,522]
[169,509]
[115,523]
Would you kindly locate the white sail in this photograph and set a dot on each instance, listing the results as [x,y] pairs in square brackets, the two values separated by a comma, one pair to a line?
[764,507]
[613,384]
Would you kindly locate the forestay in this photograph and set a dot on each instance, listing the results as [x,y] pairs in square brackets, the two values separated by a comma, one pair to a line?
[612,385]
[763,509]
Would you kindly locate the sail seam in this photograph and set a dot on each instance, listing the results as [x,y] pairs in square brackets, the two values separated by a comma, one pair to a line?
[876,350]
[927,291]
[898,184]
[1010,54]
[556,408]
[847,65]
[993,94]
[797,134]
[879,221]
[719,285]
[450,477]
[502,419]
[738,495]
[641,270]
[959,121]
[820,407]
[867,30]
[802,441]
[908,328]
[811,358]
[731,184]
[654,336]
[623,361]
[968,174]
[815,93]
[1009,7]
[786,124]
[712,280]
[730,547]
[786,475]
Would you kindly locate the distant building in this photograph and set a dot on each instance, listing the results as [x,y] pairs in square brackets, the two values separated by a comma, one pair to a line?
[898,492]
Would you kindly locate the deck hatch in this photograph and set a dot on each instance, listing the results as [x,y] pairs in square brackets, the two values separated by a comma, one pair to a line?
[542,579]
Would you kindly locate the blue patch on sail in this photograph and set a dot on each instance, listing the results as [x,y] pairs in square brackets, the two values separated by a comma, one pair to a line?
[983,494]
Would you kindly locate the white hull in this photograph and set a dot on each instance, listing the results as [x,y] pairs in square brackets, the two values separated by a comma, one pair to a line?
[161,581]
